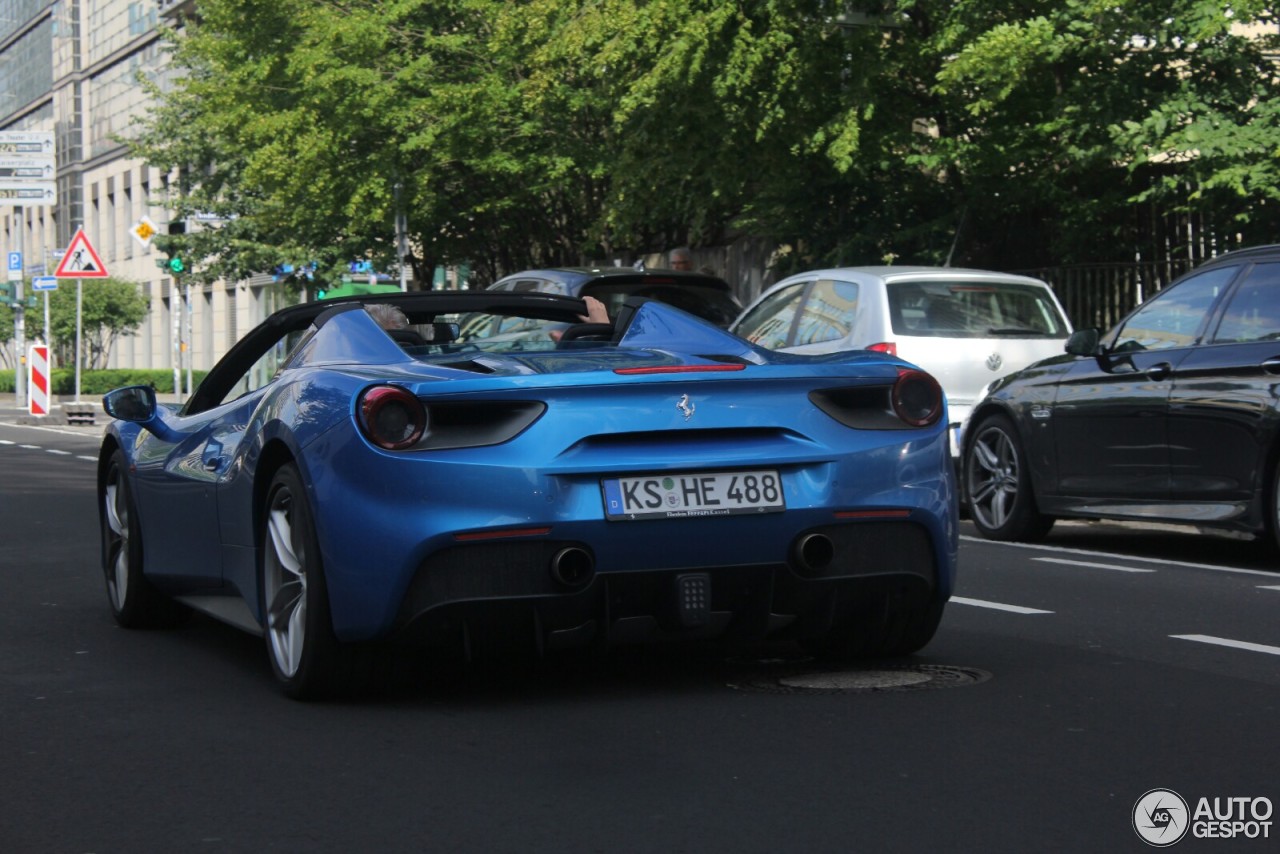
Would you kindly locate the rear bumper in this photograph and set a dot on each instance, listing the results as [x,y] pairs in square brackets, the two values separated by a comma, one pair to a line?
[472,590]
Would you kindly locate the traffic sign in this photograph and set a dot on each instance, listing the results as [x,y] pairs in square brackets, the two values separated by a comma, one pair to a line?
[15,266]
[81,260]
[38,387]
[34,168]
[29,142]
[19,193]
[143,231]
[44,283]
[27,168]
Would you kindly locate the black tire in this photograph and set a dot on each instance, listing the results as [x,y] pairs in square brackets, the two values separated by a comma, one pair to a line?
[1273,508]
[997,484]
[887,627]
[305,655]
[135,603]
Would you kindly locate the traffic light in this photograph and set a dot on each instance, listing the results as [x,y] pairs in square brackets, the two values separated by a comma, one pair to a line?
[175,264]
[6,293]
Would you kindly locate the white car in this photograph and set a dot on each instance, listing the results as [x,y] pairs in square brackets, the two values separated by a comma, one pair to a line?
[966,327]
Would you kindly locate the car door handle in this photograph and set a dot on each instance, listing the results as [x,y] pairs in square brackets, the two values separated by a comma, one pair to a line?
[213,464]
[1272,366]
[1159,371]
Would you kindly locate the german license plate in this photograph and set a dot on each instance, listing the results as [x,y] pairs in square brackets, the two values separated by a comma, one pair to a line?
[673,496]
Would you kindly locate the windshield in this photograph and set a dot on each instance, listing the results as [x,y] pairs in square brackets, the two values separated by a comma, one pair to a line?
[709,303]
[974,310]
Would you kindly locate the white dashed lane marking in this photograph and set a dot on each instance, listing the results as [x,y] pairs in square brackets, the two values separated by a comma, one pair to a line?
[1116,567]
[997,606]
[1234,644]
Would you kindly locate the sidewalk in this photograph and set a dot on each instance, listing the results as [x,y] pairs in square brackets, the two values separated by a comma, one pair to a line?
[63,411]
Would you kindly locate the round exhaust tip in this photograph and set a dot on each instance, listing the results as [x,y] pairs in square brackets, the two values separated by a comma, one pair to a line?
[814,553]
[573,567]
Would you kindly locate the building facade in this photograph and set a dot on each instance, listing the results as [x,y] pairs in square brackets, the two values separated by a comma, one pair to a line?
[72,67]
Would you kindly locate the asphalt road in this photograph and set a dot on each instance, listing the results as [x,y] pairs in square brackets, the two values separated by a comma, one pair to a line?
[1067,681]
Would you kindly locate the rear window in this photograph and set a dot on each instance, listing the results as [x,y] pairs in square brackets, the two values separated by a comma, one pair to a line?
[973,310]
[709,303]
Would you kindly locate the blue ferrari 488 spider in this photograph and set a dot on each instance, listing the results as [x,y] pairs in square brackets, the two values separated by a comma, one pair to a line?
[334,484]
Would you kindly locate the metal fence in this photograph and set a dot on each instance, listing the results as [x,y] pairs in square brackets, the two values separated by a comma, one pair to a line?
[1101,294]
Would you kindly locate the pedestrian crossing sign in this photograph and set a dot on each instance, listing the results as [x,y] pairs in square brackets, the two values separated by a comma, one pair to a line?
[81,260]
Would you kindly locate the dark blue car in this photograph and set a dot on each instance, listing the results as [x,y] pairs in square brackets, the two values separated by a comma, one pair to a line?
[332,485]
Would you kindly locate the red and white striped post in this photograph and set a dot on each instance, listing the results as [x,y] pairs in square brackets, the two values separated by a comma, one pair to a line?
[38,386]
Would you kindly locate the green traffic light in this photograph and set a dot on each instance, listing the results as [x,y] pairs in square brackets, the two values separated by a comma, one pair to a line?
[176,265]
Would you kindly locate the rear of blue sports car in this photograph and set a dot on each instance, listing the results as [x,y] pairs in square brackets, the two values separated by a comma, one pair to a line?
[674,484]
[473,466]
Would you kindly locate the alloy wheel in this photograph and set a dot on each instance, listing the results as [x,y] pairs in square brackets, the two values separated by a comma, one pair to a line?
[286,583]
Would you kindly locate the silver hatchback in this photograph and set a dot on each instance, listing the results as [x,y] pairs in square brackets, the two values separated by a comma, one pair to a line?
[966,327]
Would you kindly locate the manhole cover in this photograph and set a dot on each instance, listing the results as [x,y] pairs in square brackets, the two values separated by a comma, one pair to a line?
[910,677]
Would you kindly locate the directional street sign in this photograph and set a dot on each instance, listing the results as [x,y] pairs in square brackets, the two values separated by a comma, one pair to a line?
[26,142]
[27,168]
[81,260]
[34,193]
[34,168]
[44,283]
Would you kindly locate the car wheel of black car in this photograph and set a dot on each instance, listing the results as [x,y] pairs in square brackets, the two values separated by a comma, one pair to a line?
[884,628]
[997,484]
[300,642]
[135,603]
[1273,508]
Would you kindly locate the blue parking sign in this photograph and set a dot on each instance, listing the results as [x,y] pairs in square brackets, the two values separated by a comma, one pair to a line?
[15,261]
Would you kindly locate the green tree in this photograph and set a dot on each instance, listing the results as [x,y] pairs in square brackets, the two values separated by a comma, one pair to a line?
[6,336]
[989,132]
[110,308]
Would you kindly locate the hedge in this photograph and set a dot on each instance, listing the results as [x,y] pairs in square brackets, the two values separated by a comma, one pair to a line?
[63,381]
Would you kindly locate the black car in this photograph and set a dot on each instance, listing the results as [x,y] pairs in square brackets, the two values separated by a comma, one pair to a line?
[1172,416]
[701,295]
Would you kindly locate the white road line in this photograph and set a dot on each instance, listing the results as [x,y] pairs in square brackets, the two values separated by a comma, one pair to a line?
[1234,644]
[58,452]
[1269,586]
[30,447]
[83,457]
[1061,550]
[1094,565]
[998,606]
[6,442]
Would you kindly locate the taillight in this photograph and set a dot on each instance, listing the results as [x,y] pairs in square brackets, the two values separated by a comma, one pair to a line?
[391,417]
[917,398]
[890,347]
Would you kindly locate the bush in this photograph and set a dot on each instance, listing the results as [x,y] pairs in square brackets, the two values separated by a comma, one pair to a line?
[63,381]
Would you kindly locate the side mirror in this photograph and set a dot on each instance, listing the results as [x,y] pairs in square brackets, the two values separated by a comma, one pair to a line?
[136,403]
[1083,342]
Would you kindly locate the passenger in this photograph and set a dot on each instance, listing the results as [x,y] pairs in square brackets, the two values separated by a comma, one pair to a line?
[387,315]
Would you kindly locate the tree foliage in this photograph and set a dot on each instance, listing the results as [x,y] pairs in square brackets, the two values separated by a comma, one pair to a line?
[989,132]
[110,308]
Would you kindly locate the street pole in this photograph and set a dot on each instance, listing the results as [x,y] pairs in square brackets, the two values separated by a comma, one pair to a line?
[176,307]
[402,237]
[19,324]
[79,331]
[191,355]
